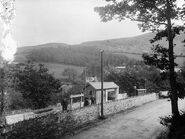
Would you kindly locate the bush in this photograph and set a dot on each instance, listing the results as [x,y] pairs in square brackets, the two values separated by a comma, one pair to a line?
[176,126]
[46,127]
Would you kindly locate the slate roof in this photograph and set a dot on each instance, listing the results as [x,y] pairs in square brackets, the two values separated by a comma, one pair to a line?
[106,85]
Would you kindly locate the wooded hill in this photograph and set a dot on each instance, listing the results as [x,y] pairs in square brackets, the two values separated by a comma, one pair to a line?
[117,51]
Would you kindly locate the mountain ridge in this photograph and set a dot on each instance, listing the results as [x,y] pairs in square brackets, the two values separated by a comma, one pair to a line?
[130,47]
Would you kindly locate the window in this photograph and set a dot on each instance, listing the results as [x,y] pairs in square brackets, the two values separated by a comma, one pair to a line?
[111,95]
[90,93]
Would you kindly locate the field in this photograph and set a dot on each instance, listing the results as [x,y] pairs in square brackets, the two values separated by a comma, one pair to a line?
[57,69]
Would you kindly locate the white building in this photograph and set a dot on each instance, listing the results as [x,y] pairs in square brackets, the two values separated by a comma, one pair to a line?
[93,92]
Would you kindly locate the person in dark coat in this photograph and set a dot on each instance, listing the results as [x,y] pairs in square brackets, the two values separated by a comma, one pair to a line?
[86,102]
[92,100]
[64,104]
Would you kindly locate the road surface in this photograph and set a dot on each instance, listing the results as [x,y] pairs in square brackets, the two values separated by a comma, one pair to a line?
[139,123]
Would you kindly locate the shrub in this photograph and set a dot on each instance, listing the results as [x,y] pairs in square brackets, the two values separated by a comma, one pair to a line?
[46,127]
[176,126]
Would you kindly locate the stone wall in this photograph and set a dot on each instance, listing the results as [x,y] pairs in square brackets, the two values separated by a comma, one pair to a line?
[86,114]
[65,122]
[92,112]
[123,104]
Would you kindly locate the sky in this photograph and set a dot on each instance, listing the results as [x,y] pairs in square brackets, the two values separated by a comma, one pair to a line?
[65,21]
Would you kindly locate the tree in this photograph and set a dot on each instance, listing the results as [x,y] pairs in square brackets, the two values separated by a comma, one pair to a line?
[77,88]
[2,92]
[153,15]
[70,73]
[5,87]
[10,99]
[125,80]
[139,75]
[35,84]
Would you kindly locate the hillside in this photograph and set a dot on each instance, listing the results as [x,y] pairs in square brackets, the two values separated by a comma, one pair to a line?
[117,51]
[24,52]
[132,44]
[57,69]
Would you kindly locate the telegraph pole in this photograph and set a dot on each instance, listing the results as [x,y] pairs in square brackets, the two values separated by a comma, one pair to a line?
[85,80]
[101,55]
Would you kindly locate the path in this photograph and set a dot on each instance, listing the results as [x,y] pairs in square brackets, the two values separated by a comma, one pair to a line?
[138,123]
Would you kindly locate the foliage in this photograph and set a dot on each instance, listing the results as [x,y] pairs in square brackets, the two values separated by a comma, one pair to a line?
[13,100]
[71,74]
[93,69]
[77,56]
[5,86]
[77,88]
[158,58]
[46,127]
[181,82]
[35,84]
[175,125]
[86,55]
[151,14]
[155,15]
[16,101]
[139,75]
[126,81]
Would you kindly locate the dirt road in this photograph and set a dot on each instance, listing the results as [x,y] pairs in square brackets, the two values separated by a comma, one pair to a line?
[138,123]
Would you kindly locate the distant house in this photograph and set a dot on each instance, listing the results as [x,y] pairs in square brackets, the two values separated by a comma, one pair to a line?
[93,92]
[140,91]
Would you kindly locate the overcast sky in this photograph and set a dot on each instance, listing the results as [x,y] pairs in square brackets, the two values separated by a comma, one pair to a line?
[67,21]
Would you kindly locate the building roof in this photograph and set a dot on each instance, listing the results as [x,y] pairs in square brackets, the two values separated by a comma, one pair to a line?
[106,85]
[140,89]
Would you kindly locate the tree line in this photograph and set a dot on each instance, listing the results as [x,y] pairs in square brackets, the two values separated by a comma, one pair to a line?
[75,56]
[156,16]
